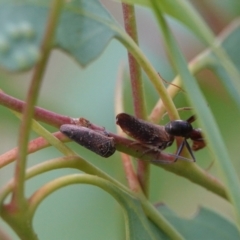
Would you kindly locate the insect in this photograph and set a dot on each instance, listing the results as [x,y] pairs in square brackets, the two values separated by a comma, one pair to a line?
[196,136]
[159,136]
[95,141]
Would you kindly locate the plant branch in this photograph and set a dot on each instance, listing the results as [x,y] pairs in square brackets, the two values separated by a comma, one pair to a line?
[137,88]
[130,173]
[33,146]
[75,162]
[39,113]
[152,74]
[196,64]
[115,192]
[135,70]
[18,192]
[187,170]
[213,136]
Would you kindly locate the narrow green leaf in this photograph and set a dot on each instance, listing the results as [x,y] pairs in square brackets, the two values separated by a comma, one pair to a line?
[206,119]
[183,12]
[186,14]
[230,42]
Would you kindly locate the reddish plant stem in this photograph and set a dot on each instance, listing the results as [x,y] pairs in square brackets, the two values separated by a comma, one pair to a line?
[130,174]
[136,150]
[135,71]
[40,114]
[122,144]
[137,88]
[33,146]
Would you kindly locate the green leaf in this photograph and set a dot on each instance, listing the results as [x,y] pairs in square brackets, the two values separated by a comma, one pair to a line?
[137,224]
[206,119]
[186,14]
[183,11]
[21,32]
[83,31]
[230,42]
[206,224]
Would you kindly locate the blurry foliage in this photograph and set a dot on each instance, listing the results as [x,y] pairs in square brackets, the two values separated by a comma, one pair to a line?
[85,212]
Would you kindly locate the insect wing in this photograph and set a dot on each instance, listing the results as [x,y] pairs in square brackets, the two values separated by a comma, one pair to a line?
[92,140]
[143,131]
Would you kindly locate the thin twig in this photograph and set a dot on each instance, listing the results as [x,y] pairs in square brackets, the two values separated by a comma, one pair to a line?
[137,88]
[18,199]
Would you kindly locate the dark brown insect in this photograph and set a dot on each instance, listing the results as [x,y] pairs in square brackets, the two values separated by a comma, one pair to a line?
[161,136]
[144,132]
[97,142]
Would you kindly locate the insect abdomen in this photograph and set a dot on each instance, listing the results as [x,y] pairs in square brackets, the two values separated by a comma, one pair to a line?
[92,140]
[144,132]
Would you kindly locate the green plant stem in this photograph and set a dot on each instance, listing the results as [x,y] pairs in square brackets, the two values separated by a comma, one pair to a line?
[212,133]
[187,170]
[78,163]
[20,222]
[18,192]
[16,213]
[207,36]
[74,162]
[56,184]
[195,66]
[54,141]
[159,220]
[143,168]
[149,70]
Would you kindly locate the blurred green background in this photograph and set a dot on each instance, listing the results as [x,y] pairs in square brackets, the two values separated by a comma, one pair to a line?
[84,211]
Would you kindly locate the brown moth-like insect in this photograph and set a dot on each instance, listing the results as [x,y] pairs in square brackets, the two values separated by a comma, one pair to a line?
[97,142]
[159,136]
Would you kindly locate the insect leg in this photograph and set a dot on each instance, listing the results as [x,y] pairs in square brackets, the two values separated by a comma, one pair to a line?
[180,149]
[190,150]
